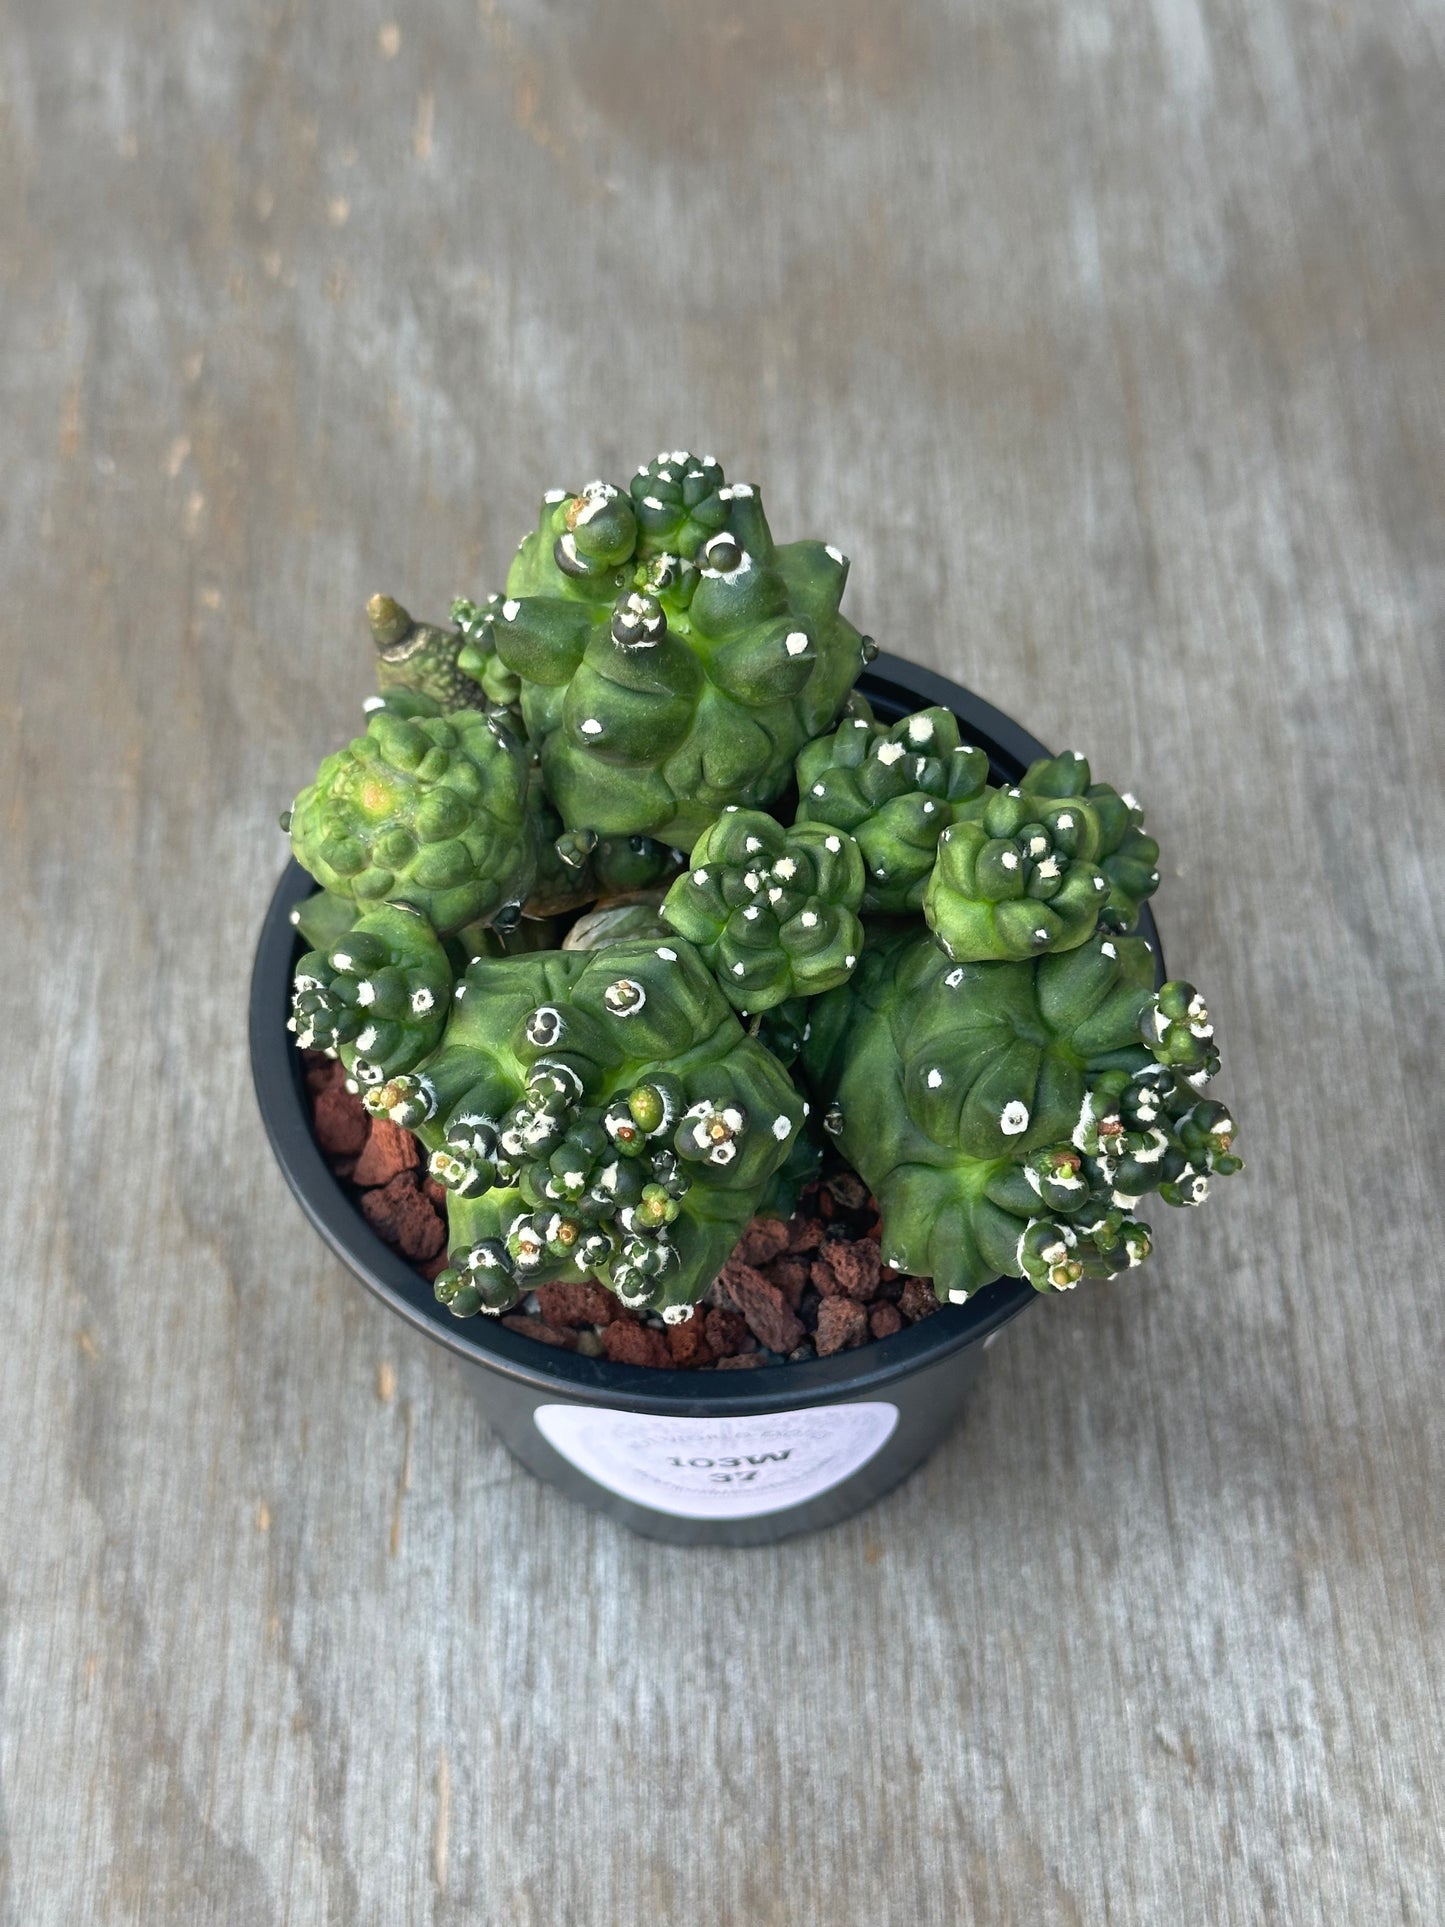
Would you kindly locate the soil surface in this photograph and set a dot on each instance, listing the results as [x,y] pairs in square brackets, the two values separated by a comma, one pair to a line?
[793,1290]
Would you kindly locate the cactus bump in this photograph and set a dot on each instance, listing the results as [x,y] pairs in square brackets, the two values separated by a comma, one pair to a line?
[774,911]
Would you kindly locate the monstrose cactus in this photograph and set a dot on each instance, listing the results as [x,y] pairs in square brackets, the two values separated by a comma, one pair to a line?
[632,910]
[1010,1116]
[671,658]
[425,810]
[595,1113]
[773,911]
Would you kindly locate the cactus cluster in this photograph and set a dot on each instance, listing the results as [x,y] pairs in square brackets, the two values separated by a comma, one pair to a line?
[1010,1116]
[630,906]
[595,1113]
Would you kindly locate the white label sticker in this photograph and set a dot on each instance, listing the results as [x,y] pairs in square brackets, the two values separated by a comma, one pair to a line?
[718,1468]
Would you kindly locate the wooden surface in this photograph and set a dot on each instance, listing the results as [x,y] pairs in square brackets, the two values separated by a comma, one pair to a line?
[1108,340]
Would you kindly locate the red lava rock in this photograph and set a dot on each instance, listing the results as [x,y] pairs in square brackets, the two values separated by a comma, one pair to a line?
[341,1121]
[626,1343]
[389,1151]
[402,1216]
[762,1305]
[842,1323]
[322,1071]
[918,1300]
[763,1239]
[847,1189]
[805,1234]
[688,1343]
[849,1266]
[884,1320]
[727,1333]
[539,1329]
[583,1303]
[790,1275]
[773,1291]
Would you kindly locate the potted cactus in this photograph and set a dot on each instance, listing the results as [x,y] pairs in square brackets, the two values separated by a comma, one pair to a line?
[645,903]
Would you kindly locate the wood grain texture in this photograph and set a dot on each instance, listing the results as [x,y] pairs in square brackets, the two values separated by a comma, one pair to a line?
[1108,339]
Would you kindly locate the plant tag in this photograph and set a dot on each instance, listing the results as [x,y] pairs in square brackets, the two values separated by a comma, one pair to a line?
[718,1468]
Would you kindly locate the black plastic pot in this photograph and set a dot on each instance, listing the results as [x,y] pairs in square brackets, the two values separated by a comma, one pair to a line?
[699,1458]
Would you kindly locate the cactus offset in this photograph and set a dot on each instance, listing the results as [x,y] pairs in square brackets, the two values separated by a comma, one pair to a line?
[420,656]
[896,790]
[672,658]
[1009,1116]
[430,810]
[478,658]
[1017,879]
[377,997]
[1128,855]
[595,1113]
[773,911]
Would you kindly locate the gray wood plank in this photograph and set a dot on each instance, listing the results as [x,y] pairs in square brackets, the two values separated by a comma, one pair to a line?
[1108,340]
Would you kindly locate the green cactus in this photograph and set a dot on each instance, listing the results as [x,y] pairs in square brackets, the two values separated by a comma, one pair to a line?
[576,867]
[1009,1116]
[672,659]
[420,657]
[377,996]
[1017,879]
[1127,855]
[773,911]
[595,1113]
[478,658]
[321,919]
[942,964]
[896,790]
[425,809]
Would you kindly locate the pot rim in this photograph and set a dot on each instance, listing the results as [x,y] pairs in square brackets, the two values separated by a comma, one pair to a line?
[276,1071]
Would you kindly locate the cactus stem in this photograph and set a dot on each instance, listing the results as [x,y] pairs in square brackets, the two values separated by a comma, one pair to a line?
[390,623]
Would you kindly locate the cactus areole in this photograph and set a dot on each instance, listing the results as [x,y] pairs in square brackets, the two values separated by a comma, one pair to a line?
[804,922]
